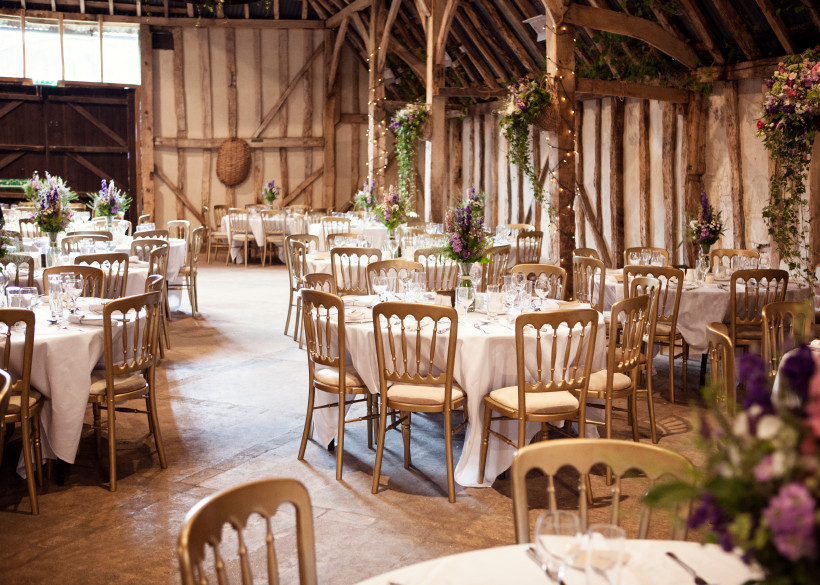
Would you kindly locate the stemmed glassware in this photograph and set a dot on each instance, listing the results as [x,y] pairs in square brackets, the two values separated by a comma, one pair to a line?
[605,553]
[558,541]
[542,289]
[29,297]
[634,258]
[465,295]
[476,274]
[380,286]
[404,279]
[73,288]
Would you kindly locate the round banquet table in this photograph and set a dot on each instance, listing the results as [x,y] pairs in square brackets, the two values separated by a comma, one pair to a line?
[293,225]
[135,285]
[485,360]
[62,363]
[647,564]
[700,304]
[375,233]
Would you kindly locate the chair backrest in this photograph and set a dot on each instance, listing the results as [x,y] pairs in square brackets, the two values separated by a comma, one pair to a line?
[409,232]
[141,248]
[320,281]
[334,225]
[99,233]
[307,239]
[179,228]
[557,358]
[29,228]
[586,252]
[749,292]
[550,456]
[237,221]
[133,348]
[671,289]
[785,325]
[624,346]
[402,352]
[145,218]
[5,398]
[274,222]
[516,228]
[495,269]
[195,248]
[204,526]
[206,213]
[332,238]
[440,271]
[299,208]
[93,278]
[154,283]
[528,247]
[71,244]
[725,256]
[296,259]
[555,275]
[588,274]
[152,234]
[324,340]
[20,267]
[114,266]
[722,364]
[646,250]
[219,212]
[11,353]
[349,266]
[158,261]
[394,267]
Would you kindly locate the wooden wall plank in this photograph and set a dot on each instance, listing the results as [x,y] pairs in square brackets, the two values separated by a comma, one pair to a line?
[307,120]
[582,213]
[284,174]
[669,163]
[645,205]
[355,141]
[332,109]
[695,160]
[596,175]
[204,38]
[233,114]
[179,109]
[145,198]
[616,180]
[735,164]
[258,154]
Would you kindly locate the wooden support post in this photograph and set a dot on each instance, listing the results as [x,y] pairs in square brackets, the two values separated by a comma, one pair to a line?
[258,154]
[565,82]
[145,199]
[671,235]
[616,180]
[283,111]
[233,114]
[330,114]
[457,162]
[695,161]
[436,148]
[307,121]
[179,107]
[596,176]
[355,141]
[375,109]
[481,131]
[492,189]
[207,112]
[581,218]
[735,165]
[645,207]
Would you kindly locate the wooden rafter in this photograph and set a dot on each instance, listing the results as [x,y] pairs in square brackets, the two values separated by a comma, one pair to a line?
[738,28]
[482,43]
[349,10]
[386,35]
[486,74]
[444,31]
[511,38]
[699,22]
[814,13]
[416,64]
[779,28]
[337,51]
[524,32]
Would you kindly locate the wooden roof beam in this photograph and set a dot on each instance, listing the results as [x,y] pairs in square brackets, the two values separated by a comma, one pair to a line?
[738,28]
[523,31]
[388,27]
[416,65]
[347,11]
[632,26]
[484,42]
[511,39]
[444,31]
[587,88]
[692,10]
[779,28]
[555,10]
[813,11]
[486,75]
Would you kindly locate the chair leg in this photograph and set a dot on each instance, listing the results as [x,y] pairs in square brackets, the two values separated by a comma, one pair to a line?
[95,409]
[30,480]
[228,253]
[264,252]
[650,402]
[298,316]
[246,253]
[340,437]
[608,423]
[290,308]
[38,449]
[405,433]
[685,352]
[380,446]
[209,251]
[672,370]
[153,424]
[369,398]
[308,423]
[485,436]
[448,450]
[632,404]
[112,448]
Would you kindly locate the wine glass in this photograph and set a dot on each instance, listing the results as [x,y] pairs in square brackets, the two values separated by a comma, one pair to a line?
[404,279]
[476,273]
[73,288]
[542,286]
[380,286]
[465,295]
[646,256]
[14,296]
[634,258]
[605,552]
[29,297]
[557,540]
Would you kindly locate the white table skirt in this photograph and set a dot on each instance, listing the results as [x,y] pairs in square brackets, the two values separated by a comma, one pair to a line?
[376,233]
[137,275]
[699,305]
[293,225]
[648,564]
[484,362]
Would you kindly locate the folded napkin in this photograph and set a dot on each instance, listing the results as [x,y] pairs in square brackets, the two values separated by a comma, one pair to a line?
[84,319]
[366,301]
[358,316]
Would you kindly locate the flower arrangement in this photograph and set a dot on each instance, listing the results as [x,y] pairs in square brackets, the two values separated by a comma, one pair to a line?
[393,210]
[271,191]
[707,227]
[464,227]
[7,243]
[51,198]
[109,201]
[365,198]
[526,101]
[406,127]
[788,125]
[761,483]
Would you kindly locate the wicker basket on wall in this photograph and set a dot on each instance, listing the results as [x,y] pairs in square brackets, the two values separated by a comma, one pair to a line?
[233,162]
[549,120]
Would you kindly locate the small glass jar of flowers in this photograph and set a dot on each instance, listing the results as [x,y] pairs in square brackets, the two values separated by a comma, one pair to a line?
[270,192]
[109,202]
[392,211]
[365,199]
[466,241]
[707,227]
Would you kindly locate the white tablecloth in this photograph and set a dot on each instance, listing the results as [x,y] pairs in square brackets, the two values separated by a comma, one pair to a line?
[485,360]
[135,285]
[376,233]
[699,305]
[292,226]
[648,564]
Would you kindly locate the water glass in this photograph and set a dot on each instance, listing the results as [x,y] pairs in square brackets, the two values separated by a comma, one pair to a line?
[55,296]
[646,257]
[476,274]
[380,286]
[13,293]
[465,295]
[604,553]
[542,289]
[29,297]
[557,541]
[494,302]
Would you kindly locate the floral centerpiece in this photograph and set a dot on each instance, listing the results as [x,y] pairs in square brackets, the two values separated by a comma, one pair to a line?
[466,241]
[109,201]
[760,486]
[788,125]
[365,199]
[707,227]
[7,243]
[527,101]
[406,125]
[393,210]
[271,191]
[51,198]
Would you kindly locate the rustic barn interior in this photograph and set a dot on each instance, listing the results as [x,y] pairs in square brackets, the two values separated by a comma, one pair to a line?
[658,102]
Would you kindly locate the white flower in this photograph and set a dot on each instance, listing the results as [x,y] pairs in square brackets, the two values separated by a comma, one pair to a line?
[740,426]
[768,427]
[724,469]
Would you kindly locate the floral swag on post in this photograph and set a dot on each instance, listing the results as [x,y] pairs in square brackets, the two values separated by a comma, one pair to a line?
[526,103]
[406,126]
[707,227]
[467,241]
[51,198]
[791,113]
[109,201]
[271,191]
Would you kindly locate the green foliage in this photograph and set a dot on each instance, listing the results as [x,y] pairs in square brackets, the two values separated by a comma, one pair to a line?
[406,127]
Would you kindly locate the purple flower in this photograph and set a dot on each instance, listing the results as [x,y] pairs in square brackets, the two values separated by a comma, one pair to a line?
[790,516]
[798,368]
[752,374]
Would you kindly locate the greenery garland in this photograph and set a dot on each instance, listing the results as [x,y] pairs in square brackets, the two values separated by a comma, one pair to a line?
[788,125]
[406,127]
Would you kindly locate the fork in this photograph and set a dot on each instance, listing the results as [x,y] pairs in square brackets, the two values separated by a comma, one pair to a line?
[480,328]
[698,579]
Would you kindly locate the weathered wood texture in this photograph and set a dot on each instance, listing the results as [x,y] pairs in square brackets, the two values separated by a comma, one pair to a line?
[671,235]
[145,196]
[735,165]
[645,205]
[616,179]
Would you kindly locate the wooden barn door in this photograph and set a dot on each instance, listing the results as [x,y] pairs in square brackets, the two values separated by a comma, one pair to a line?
[81,134]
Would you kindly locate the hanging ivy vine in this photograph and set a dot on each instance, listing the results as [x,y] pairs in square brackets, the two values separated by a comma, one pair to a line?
[406,126]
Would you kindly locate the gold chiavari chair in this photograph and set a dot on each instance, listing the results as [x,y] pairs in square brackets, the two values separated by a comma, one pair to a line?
[141,247]
[327,371]
[440,272]
[784,322]
[179,228]
[655,463]
[396,268]
[299,208]
[158,264]
[217,237]
[496,268]
[5,399]
[71,244]
[297,251]
[25,402]
[648,285]
[107,236]
[349,266]
[637,250]
[238,231]
[528,247]
[334,225]
[586,253]
[725,256]
[114,266]
[145,218]
[102,223]
[130,362]
[407,382]
[339,236]
[749,292]
[588,276]
[516,228]
[93,278]
[274,225]
[666,330]
[29,228]
[722,365]
[557,389]
[555,275]
[320,281]
[205,522]
[20,268]
[152,234]
[188,272]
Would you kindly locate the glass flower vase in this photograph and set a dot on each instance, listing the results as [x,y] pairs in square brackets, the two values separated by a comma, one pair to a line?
[464,279]
[53,252]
